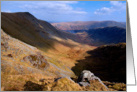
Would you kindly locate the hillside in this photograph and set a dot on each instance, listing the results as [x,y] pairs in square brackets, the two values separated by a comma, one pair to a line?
[108,62]
[103,36]
[86,25]
[21,62]
[23,65]
[38,33]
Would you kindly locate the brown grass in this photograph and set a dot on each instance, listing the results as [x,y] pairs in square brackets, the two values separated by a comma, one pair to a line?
[63,84]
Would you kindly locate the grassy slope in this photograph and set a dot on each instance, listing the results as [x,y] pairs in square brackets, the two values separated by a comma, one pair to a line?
[15,70]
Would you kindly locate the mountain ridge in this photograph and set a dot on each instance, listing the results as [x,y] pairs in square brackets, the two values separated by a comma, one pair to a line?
[86,25]
[35,32]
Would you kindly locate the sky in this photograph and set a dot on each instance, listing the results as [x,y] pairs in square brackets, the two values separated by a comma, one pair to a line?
[67,11]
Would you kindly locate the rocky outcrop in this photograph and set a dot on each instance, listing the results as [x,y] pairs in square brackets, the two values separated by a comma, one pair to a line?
[66,84]
[38,61]
[86,78]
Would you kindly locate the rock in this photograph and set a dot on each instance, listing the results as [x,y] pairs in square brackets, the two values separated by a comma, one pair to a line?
[85,84]
[87,78]
[36,60]
[56,79]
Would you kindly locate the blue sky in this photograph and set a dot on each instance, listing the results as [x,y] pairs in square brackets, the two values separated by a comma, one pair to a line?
[65,11]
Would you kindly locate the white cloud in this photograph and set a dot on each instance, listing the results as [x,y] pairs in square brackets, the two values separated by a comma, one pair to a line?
[53,7]
[104,11]
[118,5]
[115,6]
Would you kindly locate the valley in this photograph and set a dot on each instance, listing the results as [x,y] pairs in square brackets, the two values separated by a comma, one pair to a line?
[33,50]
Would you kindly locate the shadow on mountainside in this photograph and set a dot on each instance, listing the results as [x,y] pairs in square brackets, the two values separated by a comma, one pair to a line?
[28,29]
[106,62]
[38,33]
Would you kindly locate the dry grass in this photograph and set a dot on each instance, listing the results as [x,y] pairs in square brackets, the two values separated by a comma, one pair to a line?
[119,86]
[115,86]
[96,86]
[63,84]
[17,82]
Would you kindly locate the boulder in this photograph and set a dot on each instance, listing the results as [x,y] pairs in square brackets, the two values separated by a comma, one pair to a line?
[87,78]
[37,60]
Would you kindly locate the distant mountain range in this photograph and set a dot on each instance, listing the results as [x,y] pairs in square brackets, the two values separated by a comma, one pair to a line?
[86,25]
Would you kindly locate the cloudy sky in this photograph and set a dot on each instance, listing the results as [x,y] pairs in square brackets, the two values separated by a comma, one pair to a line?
[64,11]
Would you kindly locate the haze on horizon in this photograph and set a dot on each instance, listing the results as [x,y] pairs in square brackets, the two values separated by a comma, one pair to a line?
[67,11]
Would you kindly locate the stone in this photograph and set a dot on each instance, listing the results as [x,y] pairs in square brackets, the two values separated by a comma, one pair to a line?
[85,84]
[86,77]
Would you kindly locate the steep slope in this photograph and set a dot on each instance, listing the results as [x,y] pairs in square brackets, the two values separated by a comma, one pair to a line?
[38,33]
[86,25]
[58,45]
[103,36]
[27,28]
[21,62]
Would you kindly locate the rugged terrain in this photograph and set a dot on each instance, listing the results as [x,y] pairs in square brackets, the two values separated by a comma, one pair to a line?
[34,54]
[96,33]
